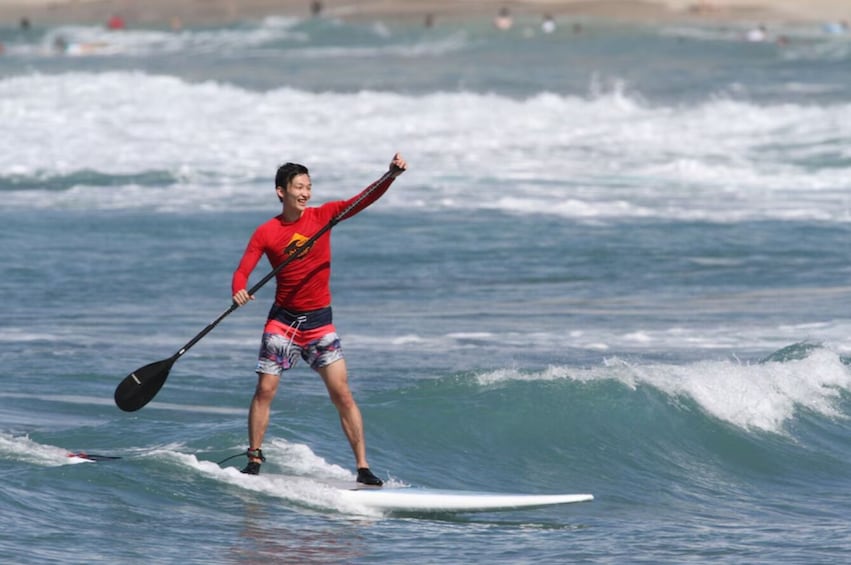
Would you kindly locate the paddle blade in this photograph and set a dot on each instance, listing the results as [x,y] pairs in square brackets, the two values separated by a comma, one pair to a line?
[139,387]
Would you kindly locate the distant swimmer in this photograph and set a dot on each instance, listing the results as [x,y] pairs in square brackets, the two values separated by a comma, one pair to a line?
[757,34]
[548,25]
[503,19]
[116,22]
[836,28]
[62,46]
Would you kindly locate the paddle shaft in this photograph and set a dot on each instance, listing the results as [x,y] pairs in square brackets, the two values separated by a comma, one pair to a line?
[297,252]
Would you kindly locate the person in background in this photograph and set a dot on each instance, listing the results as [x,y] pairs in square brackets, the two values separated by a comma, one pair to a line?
[757,34]
[836,28]
[300,322]
[115,22]
[60,44]
[548,25]
[503,19]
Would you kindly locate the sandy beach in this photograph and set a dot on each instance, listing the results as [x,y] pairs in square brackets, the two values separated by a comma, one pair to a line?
[209,12]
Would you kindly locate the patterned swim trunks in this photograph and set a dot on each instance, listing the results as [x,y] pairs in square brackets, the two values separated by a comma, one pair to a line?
[288,336]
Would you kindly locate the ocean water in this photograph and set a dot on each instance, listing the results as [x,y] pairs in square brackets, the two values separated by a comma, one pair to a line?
[618,264]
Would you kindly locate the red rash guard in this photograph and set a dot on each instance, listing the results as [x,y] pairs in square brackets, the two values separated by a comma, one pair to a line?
[303,285]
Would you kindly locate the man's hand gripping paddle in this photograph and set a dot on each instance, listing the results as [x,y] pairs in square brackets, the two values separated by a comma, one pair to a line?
[140,386]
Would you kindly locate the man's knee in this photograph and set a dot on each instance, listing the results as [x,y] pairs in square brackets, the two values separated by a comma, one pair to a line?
[267,386]
[342,399]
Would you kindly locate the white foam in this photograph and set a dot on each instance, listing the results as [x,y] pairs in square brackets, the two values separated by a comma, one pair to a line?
[292,472]
[632,337]
[761,396]
[608,155]
[22,448]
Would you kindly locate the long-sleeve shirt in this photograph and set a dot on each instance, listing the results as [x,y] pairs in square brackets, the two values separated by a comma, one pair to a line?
[303,285]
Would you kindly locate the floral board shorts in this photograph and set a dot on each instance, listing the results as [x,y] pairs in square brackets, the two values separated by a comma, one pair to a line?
[288,336]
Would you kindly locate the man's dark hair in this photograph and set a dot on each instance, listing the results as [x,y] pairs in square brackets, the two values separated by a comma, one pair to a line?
[287,171]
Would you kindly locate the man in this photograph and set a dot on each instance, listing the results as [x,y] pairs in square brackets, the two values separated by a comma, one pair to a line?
[300,322]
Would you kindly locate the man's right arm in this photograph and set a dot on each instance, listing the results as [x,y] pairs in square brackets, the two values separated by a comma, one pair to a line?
[250,258]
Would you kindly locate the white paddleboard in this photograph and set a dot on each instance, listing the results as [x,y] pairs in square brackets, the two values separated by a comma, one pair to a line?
[438,500]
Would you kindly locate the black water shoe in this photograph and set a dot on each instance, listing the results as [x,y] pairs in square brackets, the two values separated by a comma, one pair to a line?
[253,468]
[365,477]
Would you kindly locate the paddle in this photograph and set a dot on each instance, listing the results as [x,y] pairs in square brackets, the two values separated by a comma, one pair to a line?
[140,386]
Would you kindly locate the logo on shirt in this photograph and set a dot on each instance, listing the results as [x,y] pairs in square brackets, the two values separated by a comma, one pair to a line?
[296,245]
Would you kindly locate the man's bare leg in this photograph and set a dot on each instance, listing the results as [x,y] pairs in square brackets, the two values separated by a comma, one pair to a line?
[258,413]
[336,381]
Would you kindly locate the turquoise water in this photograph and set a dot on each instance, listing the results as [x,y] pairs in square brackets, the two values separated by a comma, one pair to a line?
[618,264]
